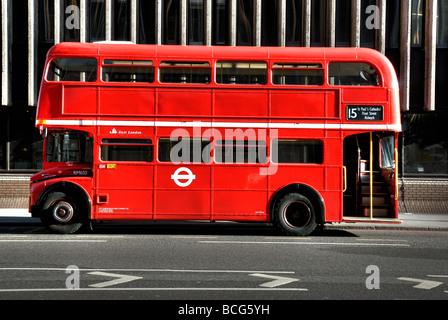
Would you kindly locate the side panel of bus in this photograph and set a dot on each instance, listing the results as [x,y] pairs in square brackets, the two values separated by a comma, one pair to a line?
[124,173]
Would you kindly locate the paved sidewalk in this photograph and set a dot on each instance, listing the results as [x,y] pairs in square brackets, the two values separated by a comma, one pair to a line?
[19,216]
[410,221]
[421,222]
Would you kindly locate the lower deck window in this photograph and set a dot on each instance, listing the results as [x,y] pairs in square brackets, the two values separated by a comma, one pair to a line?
[127,150]
[240,151]
[184,150]
[297,151]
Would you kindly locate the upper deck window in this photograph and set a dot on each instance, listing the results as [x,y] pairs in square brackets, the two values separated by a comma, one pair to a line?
[128,71]
[241,72]
[298,74]
[185,72]
[352,74]
[63,69]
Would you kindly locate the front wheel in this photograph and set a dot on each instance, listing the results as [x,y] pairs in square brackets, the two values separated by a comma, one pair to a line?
[62,213]
[295,215]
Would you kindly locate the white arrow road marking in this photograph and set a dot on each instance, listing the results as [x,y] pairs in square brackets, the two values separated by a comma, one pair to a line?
[121,279]
[424,284]
[278,281]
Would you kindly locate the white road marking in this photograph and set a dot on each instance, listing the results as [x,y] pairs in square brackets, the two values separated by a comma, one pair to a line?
[151,270]
[150,289]
[122,278]
[49,240]
[423,284]
[269,286]
[278,281]
[355,244]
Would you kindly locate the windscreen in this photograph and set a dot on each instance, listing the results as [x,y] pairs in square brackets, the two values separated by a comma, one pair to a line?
[69,147]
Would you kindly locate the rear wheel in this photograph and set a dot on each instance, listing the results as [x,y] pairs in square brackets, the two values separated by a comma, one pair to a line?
[62,213]
[295,215]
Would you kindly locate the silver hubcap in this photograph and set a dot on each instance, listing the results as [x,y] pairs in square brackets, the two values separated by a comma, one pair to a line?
[297,214]
[63,212]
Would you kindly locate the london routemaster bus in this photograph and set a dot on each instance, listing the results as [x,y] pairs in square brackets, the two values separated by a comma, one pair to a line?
[296,137]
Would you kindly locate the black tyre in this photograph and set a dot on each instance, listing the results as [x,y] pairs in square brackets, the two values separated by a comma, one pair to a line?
[62,213]
[295,215]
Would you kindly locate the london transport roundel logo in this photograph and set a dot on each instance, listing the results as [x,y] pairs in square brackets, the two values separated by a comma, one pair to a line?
[183,174]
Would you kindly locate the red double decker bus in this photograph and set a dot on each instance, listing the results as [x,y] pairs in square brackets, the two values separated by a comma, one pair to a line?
[297,137]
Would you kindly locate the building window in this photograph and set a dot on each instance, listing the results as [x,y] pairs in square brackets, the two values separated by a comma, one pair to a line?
[268,23]
[417,22]
[71,34]
[97,20]
[245,17]
[425,143]
[3,138]
[121,23]
[220,23]
[343,23]
[367,35]
[318,23]
[25,143]
[392,23]
[171,22]
[46,21]
[442,24]
[147,11]
[196,22]
[294,23]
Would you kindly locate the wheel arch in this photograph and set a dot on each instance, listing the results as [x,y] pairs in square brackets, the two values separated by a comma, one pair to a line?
[69,188]
[314,196]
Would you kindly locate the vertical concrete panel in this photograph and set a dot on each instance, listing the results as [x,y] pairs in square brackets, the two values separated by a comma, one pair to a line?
[6,13]
[430,55]
[405,54]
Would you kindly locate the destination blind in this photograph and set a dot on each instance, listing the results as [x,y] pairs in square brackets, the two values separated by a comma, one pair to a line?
[364,113]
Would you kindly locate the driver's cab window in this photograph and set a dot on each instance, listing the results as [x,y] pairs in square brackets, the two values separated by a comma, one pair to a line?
[73,147]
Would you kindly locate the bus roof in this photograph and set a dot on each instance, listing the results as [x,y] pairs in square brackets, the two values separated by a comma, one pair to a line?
[128,50]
